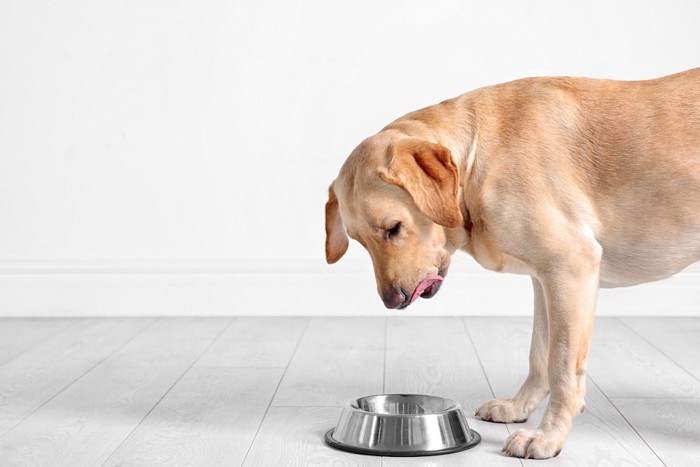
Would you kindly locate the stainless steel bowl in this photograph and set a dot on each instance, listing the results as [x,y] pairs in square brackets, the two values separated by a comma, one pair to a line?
[402,425]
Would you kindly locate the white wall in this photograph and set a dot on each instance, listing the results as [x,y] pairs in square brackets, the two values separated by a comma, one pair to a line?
[171,157]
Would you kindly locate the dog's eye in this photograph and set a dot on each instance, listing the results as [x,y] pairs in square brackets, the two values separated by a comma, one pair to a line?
[389,233]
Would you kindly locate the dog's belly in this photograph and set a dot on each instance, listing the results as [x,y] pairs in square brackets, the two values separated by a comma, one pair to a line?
[632,265]
[652,237]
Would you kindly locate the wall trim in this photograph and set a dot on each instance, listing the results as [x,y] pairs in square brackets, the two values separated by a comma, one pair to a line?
[291,288]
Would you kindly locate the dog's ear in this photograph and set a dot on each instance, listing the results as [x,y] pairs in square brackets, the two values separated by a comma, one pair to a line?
[428,173]
[336,238]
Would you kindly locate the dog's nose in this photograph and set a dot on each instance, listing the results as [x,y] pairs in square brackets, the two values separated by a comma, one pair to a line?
[394,298]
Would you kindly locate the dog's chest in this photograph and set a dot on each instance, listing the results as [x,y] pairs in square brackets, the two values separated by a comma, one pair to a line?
[485,252]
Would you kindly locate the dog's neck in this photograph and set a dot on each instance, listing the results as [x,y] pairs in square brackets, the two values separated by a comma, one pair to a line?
[463,149]
[463,142]
[465,158]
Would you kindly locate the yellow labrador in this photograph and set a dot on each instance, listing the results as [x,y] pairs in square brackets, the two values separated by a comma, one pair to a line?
[579,183]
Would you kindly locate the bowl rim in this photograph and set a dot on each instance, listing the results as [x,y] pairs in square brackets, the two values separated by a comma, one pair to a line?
[455,405]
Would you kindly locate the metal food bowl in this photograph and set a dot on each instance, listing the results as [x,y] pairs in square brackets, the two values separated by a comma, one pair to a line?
[402,425]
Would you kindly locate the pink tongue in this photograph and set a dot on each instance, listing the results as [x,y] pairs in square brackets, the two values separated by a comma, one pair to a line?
[423,285]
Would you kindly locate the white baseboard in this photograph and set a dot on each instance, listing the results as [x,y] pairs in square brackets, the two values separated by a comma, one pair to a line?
[292,289]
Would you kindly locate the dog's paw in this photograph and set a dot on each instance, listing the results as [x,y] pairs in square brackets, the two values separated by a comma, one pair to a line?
[501,411]
[534,444]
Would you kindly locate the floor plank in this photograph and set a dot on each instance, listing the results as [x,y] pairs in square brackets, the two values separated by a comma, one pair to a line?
[293,437]
[502,345]
[6,424]
[38,374]
[625,365]
[19,334]
[84,424]
[670,426]
[599,436]
[255,343]
[169,341]
[677,338]
[433,356]
[209,418]
[338,359]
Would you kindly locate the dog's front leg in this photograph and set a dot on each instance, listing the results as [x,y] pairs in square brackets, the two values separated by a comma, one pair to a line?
[536,386]
[570,289]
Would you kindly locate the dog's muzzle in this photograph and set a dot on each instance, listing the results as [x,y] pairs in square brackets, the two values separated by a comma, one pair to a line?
[426,288]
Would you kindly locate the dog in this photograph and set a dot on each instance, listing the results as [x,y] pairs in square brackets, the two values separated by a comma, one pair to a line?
[580,183]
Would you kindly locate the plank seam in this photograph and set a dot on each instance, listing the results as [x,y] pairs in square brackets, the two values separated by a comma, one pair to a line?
[478,357]
[274,394]
[483,370]
[625,419]
[657,348]
[385,345]
[47,339]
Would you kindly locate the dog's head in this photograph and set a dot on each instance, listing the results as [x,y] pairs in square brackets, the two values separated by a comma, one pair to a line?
[398,197]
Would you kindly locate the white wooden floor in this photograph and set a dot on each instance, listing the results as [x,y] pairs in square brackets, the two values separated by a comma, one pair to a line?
[261,392]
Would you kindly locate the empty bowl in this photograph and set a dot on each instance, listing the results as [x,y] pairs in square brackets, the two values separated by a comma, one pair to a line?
[402,425]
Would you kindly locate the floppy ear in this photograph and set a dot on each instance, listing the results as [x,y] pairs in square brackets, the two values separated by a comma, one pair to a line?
[428,173]
[336,238]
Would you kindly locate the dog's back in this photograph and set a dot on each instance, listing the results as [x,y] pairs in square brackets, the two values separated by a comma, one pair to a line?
[630,149]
